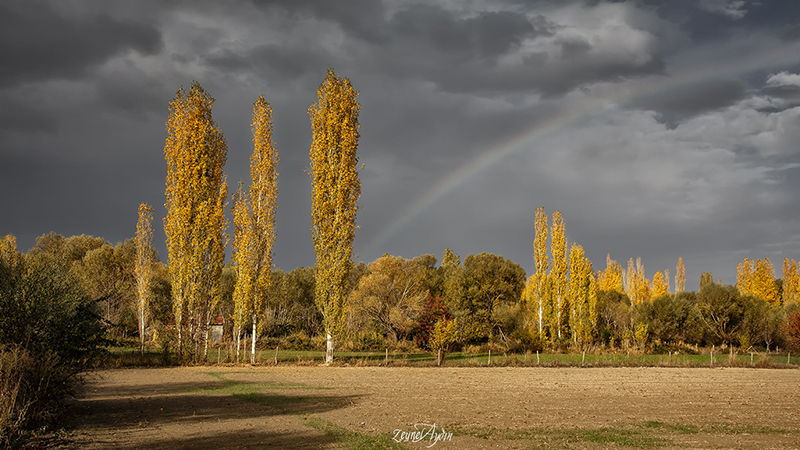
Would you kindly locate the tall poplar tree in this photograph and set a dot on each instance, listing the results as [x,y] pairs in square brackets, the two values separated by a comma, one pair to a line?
[539,280]
[611,279]
[558,273]
[196,191]
[791,281]
[680,276]
[660,284]
[335,189]
[145,257]
[763,284]
[254,227]
[582,295]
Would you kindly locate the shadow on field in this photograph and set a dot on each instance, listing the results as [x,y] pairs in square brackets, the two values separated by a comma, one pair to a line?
[236,440]
[192,408]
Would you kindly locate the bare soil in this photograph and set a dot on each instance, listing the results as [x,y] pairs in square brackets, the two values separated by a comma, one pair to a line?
[218,407]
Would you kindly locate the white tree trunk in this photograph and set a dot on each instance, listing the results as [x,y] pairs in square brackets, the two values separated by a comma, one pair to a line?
[329,350]
[253,343]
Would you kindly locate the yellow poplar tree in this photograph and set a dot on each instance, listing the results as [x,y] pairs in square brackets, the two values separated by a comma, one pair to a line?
[706,278]
[240,256]
[254,228]
[8,248]
[680,276]
[611,279]
[582,295]
[538,281]
[763,284]
[195,152]
[660,284]
[791,281]
[637,285]
[145,258]
[744,277]
[335,189]
[558,273]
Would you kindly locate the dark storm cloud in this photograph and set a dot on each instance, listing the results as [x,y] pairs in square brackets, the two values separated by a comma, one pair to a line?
[360,18]
[681,102]
[37,42]
[442,84]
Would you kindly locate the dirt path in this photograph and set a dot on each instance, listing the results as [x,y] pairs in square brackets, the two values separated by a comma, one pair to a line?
[267,407]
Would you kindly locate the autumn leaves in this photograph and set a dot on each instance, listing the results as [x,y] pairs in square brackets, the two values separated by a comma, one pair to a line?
[196,197]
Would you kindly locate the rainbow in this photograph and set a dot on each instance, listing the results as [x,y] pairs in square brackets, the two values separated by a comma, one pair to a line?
[656,85]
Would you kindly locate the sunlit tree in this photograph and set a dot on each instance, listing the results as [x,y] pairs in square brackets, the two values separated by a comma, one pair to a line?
[744,277]
[763,284]
[680,276]
[706,278]
[145,258]
[558,273]
[660,284]
[791,281]
[254,228]
[196,192]
[637,285]
[537,302]
[391,295]
[582,294]
[611,279]
[335,189]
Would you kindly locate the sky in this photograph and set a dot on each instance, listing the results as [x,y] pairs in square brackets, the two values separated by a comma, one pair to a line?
[659,129]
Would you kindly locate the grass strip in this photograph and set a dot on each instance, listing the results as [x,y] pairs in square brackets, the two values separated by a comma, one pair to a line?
[253,392]
[718,428]
[351,439]
[561,437]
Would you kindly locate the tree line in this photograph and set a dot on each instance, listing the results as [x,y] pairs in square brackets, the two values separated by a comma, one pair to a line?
[394,301]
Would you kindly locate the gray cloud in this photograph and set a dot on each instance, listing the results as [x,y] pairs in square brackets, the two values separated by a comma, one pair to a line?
[528,99]
[37,42]
[680,102]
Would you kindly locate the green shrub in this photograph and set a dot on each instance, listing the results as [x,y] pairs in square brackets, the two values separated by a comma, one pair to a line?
[45,309]
[49,331]
[32,391]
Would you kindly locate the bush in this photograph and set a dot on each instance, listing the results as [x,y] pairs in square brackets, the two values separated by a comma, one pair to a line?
[791,329]
[672,319]
[49,331]
[32,390]
[45,309]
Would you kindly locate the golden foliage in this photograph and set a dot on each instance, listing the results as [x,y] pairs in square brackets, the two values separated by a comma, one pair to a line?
[582,295]
[680,276]
[143,270]
[254,225]
[8,248]
[535,290]
[611,279]
[391,295]
[336,189]
[758,279]
[660,284]
[706,278]
[558,275]
[195,152]
[637,286]
[791,281]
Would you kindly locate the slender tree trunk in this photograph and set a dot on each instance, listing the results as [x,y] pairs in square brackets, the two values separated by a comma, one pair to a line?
[238,340]
[329,350]
[253,343]
[141,328]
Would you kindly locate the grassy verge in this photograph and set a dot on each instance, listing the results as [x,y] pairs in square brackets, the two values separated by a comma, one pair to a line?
[646,435]
[351,439]
[125,356]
